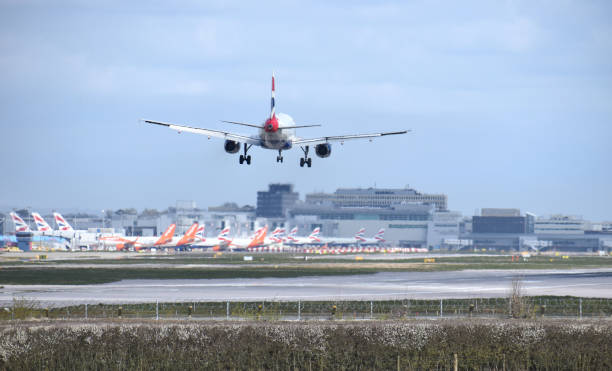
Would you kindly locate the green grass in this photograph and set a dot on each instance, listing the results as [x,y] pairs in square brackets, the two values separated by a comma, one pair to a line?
[538,307]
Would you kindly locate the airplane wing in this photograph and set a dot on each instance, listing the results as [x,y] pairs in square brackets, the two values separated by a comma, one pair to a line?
[207,132]
[342,138]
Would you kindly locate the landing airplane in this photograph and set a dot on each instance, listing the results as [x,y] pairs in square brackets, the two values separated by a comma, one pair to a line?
[276,133]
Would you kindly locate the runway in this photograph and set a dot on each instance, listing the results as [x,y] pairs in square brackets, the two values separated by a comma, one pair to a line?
[385,285]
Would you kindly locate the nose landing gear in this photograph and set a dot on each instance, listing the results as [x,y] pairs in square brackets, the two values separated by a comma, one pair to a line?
[279,158]
[305,160]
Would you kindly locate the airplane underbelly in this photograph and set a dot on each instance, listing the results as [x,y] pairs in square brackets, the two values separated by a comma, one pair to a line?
[275,141]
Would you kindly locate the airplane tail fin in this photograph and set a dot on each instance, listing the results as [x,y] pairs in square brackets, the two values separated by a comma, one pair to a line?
[380,235]
[41,224]
[200,233]
[293,232]
[189,235]
[314,236]
[260,237]
[62,224]
[167,236]
[272,102]
[224,235]
[20,225]
[360,235]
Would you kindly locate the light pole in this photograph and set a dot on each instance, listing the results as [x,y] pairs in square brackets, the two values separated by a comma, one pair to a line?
[103,221]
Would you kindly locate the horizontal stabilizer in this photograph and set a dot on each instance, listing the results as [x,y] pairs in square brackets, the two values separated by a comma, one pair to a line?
[243,124]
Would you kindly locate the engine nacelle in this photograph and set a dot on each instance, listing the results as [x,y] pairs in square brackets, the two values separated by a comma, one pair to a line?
[323,150]
[231,147]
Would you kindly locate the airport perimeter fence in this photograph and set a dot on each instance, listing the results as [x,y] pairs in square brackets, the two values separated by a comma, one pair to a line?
[527,307]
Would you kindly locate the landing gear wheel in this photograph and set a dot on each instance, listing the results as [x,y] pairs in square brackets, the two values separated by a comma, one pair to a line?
[244,157]
[305,160]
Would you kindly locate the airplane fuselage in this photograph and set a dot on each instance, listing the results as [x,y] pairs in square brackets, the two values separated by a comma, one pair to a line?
[276,137]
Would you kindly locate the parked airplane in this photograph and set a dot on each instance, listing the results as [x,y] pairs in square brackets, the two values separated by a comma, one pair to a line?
[276,133]
[277,236]
[358,239]
[378,238]
[312,239]
[62,224]
[41,224]
[20,225]
[140,242]
[258,240]
[217,243]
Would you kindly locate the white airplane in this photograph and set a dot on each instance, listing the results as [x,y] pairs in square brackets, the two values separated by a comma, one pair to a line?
[276,133]
[41,224]
[312,239]
[216,243]
[257,240]
[358,239]
[138,243]
[377,239]
[20,224]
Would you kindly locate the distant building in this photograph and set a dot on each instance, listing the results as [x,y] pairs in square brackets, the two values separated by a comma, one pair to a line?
[376,198]
[276,201]
[503,221]
[560,224]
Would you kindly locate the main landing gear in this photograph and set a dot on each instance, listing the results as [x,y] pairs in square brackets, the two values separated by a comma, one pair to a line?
[305,160]
[244,157]
[279,158]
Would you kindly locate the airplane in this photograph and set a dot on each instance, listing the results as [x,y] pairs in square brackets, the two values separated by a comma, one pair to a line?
[217,243]
[358,239]
[41,224]
[62,224]
[312,239]
[378,238]
[258,240]
[276,237]
[138,243]
[276,133]
[20,224]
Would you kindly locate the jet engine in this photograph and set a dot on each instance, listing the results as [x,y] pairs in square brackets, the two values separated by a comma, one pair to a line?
[231,146]
[323,150]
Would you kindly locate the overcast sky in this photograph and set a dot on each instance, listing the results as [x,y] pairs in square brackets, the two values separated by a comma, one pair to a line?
[510,102]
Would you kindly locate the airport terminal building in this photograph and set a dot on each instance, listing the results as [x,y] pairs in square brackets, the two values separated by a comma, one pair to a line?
[410,219]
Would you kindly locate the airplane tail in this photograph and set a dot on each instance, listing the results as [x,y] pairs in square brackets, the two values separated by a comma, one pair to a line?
[199,236]
[360,235]
[292,234]
[167,236]
[20,225]
[62,224]
[272,102]
[41,224]
[277,235]
[260,237]
[224,235]
[189,235]
[314,236]
[380,235]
